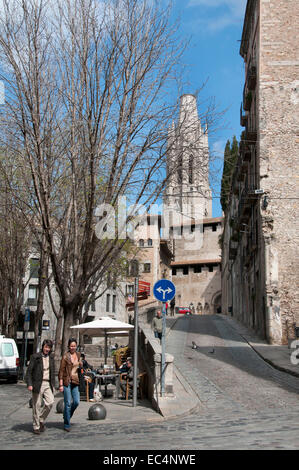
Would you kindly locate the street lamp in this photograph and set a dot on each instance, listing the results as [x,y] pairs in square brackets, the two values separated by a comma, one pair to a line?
[135,273]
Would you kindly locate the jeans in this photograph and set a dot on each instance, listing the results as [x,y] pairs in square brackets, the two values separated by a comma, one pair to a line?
[71,401]
[158,334]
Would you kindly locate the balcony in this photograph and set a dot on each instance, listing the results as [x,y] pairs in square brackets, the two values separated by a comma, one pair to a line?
[233,250]
[244,211]
[235,189]
[244,166]
[251,136]
[250,250]
[241,168]
[250,194]
[243,117]
[245,150]
[251,78]
[247,99]
[241,173]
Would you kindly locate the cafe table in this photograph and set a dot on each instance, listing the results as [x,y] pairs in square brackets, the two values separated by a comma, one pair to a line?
[106,378]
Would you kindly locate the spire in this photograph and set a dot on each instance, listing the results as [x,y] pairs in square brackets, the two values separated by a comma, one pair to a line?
[188,112]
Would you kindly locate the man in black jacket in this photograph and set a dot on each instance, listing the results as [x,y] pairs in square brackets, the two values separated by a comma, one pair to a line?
[40,379]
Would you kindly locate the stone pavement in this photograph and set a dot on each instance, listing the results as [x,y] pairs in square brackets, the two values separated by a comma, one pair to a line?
[185,400]
[280,357]
[226,397]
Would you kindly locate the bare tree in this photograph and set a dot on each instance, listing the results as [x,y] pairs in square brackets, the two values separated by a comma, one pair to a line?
[15,241]
[88,105]
[89,102]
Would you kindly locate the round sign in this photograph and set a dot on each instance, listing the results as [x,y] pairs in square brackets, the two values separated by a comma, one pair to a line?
[164,290]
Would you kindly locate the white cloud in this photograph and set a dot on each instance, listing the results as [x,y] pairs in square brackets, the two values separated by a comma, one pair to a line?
[236,7]
[218,148]
[234,13]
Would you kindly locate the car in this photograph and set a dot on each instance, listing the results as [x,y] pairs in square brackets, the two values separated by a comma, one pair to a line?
[9,359]
[184,310]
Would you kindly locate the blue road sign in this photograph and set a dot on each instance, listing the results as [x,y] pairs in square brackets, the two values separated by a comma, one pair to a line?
[27,319]
[27,314]
[164,290]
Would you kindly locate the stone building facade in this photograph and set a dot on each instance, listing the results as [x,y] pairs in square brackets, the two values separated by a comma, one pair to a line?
[260,239]
[193,232]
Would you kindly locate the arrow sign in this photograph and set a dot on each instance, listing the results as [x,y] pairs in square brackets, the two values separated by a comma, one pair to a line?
[164,290]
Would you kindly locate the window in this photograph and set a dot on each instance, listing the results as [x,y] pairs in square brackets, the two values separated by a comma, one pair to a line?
[32,292]
[191,169]
[197,268]
[32,295]
[141,242]
[149,242]
[214,228]
[34,267]
[129,289]
[107,302]
[174,271]
[185,270]
[147,267]
[113,303]
[7,349]
[210,269]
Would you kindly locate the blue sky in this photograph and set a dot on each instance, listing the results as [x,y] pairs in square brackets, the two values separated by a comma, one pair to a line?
[215,27]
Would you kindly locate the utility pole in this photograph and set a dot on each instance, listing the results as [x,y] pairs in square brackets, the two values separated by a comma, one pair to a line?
[135,273]
[164,290]
[163,349]
[26,329]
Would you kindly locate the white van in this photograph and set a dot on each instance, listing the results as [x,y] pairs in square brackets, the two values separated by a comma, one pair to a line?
[9,359]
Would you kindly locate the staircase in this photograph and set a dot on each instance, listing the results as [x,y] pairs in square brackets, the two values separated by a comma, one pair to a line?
[94,354]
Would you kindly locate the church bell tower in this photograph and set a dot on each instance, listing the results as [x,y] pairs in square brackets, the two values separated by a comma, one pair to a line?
[188,191]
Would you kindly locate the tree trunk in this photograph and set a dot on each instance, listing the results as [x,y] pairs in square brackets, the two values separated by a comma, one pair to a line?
[58,340]
[67,332]
[42,284]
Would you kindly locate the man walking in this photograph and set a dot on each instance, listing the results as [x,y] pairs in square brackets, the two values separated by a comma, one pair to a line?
[172,305]
[157,325]
[40,379]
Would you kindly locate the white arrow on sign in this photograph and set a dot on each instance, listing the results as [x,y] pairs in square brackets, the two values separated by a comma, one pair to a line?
[165,291]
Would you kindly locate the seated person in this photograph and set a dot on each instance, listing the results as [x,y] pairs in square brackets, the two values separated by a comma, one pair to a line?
[127,375]
[125,366]
[86,371]
[85,363]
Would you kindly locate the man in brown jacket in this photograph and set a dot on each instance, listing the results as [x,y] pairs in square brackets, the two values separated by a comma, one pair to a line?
[40,379]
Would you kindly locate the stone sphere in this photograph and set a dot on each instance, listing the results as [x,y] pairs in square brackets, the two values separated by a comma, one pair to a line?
[97,411]
[60,406]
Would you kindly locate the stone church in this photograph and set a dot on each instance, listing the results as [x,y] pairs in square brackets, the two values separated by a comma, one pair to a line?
[182,243]
[192,230]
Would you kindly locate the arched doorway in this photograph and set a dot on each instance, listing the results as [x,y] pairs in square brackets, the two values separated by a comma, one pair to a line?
[216,302]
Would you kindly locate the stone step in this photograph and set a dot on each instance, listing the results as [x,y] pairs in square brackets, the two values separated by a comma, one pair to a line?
[96,362]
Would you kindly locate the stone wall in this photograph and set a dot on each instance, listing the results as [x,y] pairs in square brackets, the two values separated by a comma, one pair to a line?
[149,358]
[279,159]
[259,266]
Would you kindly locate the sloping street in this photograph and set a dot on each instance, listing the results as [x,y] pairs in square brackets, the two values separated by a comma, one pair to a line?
[244,402]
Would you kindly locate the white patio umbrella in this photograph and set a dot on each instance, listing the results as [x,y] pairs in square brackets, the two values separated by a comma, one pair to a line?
[104,326]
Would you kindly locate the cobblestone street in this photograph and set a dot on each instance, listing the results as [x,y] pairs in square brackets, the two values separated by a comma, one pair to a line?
[244,402]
